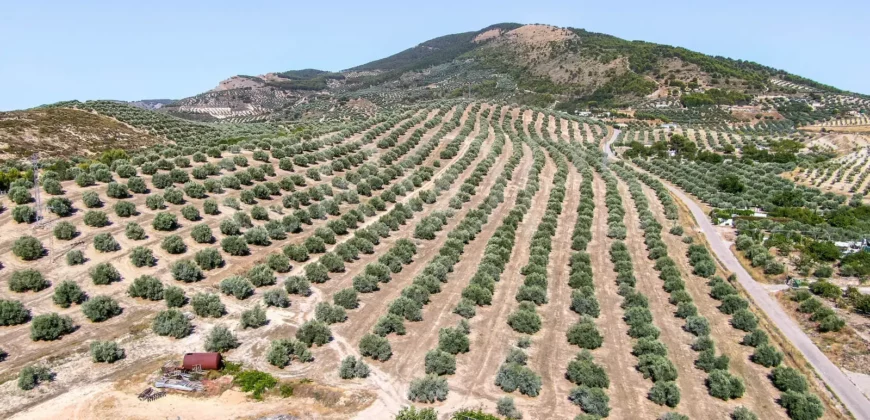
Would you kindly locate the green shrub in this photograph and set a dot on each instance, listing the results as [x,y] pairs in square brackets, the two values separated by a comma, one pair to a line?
[831,323]
[296,253]
[743,413]
[657,368]
[165,221]
[220,340]
[524,321]
[297,285]
[505,407]
[283,351]
[209,259]
[389,323]
[376,347]
[96,218]
[67,293]
[75,257]
[31,376]
[802,405]
[27,280]
[60,206]
[23,214]
[332,262]
[28,248]
[314,333]
[202,234]
[788,379]
[465,308]
[50,327]
[351,367]
[210,207]
[235,245]
[453,340]
[665,393]
[346,298]
[767,356]
[810,305]
[413,413]
[708,362]
[440,362]
[593,401]
[703,343]
[237,286]
[186,271]
[254,317]
[104,242]
[142,257]
[316,273]
[134,232]
[428,389]
[92,200]
[155,202]
[744,320]
[125,209]
[823,272]
[19,195]
[584,371]
[13,312]
[101,308]
[724,386]
[65,231]
[106,352]
[146,287]
[673,416]
[277,298]
[172,323]
[585,335]
[261,275]
[697,325]
[174,297]
[207,305]
[173,244]
[279,263]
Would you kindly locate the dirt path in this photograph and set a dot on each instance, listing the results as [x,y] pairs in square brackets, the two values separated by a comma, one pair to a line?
[628,388]
[492,336]
[678,342]
[551,356]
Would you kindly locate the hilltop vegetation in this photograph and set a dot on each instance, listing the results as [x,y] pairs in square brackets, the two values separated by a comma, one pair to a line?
[568,69]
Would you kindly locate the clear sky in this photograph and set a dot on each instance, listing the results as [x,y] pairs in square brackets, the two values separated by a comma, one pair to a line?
[128,50]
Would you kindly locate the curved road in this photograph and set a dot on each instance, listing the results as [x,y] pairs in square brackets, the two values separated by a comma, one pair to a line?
[851,396]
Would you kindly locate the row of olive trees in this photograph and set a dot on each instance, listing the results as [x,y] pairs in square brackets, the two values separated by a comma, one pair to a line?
[100,308]
[721,384]
[590,378]
[652,354]
[452,341]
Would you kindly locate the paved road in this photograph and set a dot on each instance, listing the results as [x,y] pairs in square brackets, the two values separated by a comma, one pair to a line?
[846,390]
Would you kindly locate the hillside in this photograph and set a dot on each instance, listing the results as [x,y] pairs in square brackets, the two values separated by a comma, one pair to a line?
[65,132]
[535,64]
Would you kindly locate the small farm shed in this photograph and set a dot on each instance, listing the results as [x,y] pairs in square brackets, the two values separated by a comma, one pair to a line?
[207,361]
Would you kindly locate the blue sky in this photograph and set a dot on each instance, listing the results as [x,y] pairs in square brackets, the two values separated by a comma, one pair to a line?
[54,50]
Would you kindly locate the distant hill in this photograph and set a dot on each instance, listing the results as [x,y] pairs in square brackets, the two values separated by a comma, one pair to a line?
[533,64]
[65,132]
